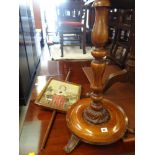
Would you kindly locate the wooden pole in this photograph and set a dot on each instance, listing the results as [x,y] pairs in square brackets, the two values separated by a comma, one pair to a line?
[48,129]
[51,122]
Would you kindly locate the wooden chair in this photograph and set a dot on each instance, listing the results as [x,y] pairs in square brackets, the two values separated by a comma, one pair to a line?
[48,41]
[127,62]
[121,21]
[71,17]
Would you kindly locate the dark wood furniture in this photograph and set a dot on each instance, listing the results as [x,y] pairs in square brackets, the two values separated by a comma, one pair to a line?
[48,41]
[121,23]
[96,120]
[71,24]
[29,50]
[127,74]
[37,118]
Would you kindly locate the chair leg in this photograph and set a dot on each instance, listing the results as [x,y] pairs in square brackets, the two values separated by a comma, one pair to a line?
[84,42]
[61,45]
[48,47]
[49,50]
[80,38]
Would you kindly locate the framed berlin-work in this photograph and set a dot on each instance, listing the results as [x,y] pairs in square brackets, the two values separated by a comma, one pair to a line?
[59,95]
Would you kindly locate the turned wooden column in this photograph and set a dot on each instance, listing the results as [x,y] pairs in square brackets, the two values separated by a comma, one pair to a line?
[96,113]
[96,120]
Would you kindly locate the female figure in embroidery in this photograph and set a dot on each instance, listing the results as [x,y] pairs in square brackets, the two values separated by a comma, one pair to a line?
[61,98]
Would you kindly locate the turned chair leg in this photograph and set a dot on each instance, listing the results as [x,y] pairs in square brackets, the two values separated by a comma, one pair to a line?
[84,42]
[61,44]
[49,50]
[80,38]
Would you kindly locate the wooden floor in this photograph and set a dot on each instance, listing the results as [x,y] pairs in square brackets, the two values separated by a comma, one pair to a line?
[37,119]
[43,66]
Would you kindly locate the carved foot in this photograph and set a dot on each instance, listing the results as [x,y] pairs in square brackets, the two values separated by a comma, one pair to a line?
[72,143]
[125,138]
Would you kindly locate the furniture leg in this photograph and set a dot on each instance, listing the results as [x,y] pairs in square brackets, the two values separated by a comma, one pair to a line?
[49,50]
[61,45]
[48,130]
[72,143]
[80,38]
[120,76]
[84,42]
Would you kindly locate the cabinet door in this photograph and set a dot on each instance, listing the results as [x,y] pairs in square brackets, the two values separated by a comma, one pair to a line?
[23,63]
[32,32]
[27,35]
[28,53]
[24,70]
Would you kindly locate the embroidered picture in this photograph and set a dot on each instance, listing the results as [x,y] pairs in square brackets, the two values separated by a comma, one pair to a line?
[59,95]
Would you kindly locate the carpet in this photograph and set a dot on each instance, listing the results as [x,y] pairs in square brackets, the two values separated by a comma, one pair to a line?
[70,52]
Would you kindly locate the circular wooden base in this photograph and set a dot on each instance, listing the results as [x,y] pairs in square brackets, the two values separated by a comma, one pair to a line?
[100,134]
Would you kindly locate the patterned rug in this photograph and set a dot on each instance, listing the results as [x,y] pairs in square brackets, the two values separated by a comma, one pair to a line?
[70,52]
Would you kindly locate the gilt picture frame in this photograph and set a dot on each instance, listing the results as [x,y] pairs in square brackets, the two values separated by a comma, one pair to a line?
[59,95]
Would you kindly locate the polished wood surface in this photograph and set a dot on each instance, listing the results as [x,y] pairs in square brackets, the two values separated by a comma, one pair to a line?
[37,118]
[102,133]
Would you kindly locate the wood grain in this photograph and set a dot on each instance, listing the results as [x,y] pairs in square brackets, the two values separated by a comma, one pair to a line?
[37,119]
